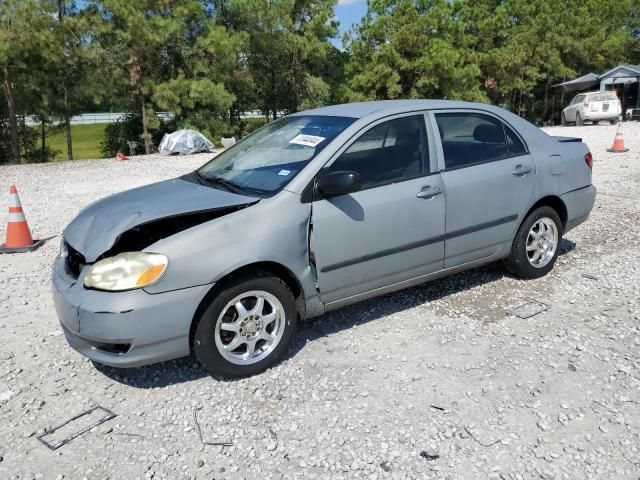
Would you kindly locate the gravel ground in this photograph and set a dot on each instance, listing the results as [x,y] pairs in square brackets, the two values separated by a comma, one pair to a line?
[438,381]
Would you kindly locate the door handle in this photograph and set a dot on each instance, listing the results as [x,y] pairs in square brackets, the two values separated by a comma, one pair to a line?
[429,192]
[521,170]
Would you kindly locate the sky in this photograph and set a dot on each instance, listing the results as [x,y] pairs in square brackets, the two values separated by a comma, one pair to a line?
[348,12]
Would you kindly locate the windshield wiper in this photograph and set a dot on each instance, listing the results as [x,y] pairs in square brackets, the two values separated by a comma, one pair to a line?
[229,186]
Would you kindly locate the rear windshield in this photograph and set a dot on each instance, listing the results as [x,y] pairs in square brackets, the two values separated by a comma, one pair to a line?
[602,97]
[265,161]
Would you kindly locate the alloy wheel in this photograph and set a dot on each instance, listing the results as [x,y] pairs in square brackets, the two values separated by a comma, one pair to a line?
[542,242]
[250,327]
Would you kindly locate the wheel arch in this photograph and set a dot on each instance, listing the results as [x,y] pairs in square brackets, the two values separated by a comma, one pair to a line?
[274,268]
[554,202]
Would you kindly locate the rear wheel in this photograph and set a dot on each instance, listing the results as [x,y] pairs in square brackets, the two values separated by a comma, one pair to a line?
[579,121]
[536,246]
[563,120]
[247,327]
[613,121]
[596,122]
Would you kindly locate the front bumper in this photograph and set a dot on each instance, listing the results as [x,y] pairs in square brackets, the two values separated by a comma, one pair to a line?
[579,204]
[124,329]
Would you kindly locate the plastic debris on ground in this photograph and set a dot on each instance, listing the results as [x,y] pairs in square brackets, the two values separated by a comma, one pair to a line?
[184,142]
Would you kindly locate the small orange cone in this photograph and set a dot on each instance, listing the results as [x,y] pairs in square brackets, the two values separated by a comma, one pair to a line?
[618,142]
[18,234]
[121,156]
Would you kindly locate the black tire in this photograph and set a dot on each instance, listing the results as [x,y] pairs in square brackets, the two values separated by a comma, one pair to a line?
[613,121]
[518,261]
[579,121]
[205,347]
[596,122]
[563,120]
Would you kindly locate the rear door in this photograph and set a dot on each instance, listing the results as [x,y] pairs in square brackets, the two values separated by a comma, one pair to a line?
[488,176]
[576,104]
[570,112]
[393,229]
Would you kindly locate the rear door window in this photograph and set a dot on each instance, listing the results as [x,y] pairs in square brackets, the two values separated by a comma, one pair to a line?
[390,152]
[470,138]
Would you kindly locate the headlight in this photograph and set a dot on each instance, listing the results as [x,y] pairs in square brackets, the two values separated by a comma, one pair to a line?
[126,271]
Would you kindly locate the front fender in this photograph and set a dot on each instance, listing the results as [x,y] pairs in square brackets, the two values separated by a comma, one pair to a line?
[273,230]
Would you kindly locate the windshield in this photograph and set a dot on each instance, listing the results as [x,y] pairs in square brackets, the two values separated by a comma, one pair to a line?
[265,161]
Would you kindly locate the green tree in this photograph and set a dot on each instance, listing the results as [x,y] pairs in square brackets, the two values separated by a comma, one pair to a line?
[27,48]
[409,49]
[71,74]
[134,37]
[288,51]
[198,89]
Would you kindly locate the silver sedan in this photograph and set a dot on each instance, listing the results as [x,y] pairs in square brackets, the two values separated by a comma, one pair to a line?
[312,212]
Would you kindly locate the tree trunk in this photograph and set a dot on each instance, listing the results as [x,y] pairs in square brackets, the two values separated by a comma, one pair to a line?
[67,125]
[274,106]
[43,147]
[13,119]
[546,103]
[25,138]
[136,82]
[145,126]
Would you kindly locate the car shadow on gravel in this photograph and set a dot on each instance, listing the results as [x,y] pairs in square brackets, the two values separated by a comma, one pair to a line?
[157,375]
[188,369]
[379,307]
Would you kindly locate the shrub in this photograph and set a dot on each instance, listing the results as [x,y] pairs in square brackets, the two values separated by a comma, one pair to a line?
[126,136]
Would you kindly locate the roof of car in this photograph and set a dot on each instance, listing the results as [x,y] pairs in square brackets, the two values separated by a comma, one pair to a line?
[597,92]
[362,109]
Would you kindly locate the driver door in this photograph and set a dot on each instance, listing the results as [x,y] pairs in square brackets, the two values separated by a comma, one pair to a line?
[393,229]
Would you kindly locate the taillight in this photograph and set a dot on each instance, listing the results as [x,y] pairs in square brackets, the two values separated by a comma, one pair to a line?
[588,158]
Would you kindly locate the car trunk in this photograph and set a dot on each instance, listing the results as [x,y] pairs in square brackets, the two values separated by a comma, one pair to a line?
[602,103]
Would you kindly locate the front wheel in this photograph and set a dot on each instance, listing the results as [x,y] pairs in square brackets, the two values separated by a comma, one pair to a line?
[247,327]
[536,246]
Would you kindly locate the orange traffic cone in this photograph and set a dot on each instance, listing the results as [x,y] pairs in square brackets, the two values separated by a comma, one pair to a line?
[18,234]
[618,142]
[121,156]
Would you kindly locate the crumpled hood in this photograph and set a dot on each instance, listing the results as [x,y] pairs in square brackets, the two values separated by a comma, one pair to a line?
[98,226]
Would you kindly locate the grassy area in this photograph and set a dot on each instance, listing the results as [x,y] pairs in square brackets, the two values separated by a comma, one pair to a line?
[86,141]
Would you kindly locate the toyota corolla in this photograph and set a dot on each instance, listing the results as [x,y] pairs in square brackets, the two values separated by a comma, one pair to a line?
[310,213]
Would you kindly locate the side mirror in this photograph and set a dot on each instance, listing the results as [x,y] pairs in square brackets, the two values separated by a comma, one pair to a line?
[338,183]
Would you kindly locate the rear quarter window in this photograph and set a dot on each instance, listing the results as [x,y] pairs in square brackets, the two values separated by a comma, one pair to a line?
[514,144]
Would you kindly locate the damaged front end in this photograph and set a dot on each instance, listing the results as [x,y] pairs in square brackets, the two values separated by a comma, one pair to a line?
[136,219]
[101,278]
[142,236]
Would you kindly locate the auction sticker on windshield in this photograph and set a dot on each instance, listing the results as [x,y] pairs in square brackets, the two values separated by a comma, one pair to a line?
[307,140]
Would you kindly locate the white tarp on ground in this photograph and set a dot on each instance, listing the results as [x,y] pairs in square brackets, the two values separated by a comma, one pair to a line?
[184,142]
